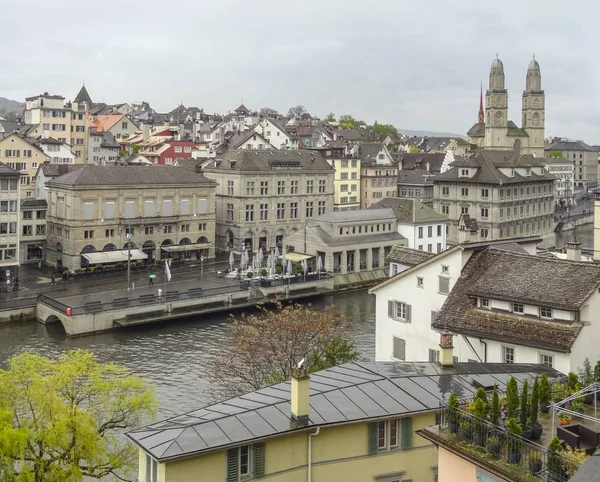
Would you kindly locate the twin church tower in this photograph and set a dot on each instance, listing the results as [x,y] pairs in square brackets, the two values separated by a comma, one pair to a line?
[493,129]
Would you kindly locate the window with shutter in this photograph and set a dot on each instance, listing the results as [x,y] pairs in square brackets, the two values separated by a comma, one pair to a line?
[129,209]
[88,211]
[444,285]
[109,210]
[399,348]
[201,206]
[232,465]
[185,207]
[406,433]
[433,315]
[372,440]
[149,207]
[259,460]
[167,207]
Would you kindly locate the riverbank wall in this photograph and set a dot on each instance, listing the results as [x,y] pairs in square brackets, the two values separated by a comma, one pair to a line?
[357,281]
[18,310]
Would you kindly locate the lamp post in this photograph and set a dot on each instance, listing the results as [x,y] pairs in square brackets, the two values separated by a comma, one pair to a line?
[129,254]
[201,263]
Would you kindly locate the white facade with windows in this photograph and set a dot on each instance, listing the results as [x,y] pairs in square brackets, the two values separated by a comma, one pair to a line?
[9,220]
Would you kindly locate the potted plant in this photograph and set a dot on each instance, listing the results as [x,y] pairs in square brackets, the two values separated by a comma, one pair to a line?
[564,418]
[554,456]
[535,462]
[478,425]
[452,412]
[572,383]
[495,409]
[514,442]
[249,274]
[464,430]
[493,444]
[525,429]
[597,377]
[512,397]
[577,405]
[544,394]
[534,423]
[559,391]
[586,378]
[572,459]
[264,273]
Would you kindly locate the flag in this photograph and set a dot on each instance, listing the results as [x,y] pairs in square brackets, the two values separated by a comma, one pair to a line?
[167,271]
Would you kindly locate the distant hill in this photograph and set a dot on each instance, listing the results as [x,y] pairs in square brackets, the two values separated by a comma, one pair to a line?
[7,105]
[428,134]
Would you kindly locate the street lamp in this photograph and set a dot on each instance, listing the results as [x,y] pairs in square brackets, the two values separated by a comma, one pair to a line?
[129,254]
[202,263]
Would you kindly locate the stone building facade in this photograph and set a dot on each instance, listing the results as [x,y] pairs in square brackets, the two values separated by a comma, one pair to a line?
[264,196]
[583,157]
[169,212]
[507,194]
[25,156]
[494,130]
[9,219]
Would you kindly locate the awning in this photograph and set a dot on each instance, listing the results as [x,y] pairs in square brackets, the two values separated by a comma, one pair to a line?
[177,248]
[117,256]
[296,257]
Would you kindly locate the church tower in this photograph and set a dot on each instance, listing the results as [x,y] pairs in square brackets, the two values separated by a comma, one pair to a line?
[496,108]
[534,111]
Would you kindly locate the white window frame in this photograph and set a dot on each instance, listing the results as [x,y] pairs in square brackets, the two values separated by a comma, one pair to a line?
[484,303]
[420,282]
[518,310]
[508,352]
[387,427]
[151,469]
[248,474]
[545,358]
[547,316]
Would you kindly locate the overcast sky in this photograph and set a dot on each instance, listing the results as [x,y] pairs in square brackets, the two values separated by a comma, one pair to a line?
[416,64]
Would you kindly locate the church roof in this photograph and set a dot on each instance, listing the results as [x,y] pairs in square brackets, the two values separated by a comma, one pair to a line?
[478,130]
[533,65]
[83,96]
[497,65]
[513,130]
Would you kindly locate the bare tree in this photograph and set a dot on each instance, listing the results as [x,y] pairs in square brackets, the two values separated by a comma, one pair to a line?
[264,347]
[268,112]
[296,111]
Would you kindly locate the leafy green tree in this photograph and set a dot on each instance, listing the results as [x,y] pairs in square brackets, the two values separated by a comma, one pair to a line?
[136,148]
[512,397]
[523,407]
[263,348]
[586,373]
[384,130]
[535,403]
[330,117]
[347,121]
[495,411]
[412,149]
[59,418]
[555,154]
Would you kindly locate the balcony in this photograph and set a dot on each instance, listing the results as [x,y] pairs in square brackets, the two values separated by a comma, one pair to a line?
[143,220]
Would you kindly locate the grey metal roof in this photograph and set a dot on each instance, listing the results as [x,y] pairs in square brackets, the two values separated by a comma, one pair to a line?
[565,145]
[408,210]
[353,392]
[357,215]
[330,241]
[408,256]
[8,171]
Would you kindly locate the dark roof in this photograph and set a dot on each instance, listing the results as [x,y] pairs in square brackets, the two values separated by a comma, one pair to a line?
[420,177]
[239,138]
[349,393]
[468,222]
[488,163]
[407,210]
[83,96]
[497,274]
[45,95]
[357,215]
[242,109]
[569,146]
[49,140]
[408,256]
[6,171]
[10,126]
[420,161]
[330,241]
[477,130]
[513,130]
[348,134]
[33,203]
[92,175]
[267,160]
[55,170]
[368,150]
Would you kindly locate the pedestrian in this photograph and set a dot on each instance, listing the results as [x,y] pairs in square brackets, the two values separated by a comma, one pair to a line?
[65,276]
[52,280]
[151,280]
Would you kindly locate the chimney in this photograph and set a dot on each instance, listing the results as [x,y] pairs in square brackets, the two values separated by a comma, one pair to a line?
[446,349]
[574,250]
[464,234]
[597,226]
[299,395]
[145,132]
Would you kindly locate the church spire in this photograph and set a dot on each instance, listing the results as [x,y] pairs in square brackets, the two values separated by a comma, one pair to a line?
[481,115]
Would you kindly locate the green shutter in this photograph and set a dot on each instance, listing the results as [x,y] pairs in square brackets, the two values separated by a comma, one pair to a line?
[259,460]
[373,438]
[232,465]
[406,432]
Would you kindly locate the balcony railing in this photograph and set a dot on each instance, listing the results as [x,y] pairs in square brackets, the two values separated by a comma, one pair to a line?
[497,447]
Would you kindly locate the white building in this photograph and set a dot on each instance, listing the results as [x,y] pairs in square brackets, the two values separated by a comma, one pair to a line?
[424,228]
[564,171]
[103,148]
[58,152]
[502,303]
[276,134]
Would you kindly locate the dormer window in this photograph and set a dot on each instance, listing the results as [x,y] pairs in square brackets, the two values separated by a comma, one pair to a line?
[518,308]
[485,303]
[464,172]
[546,312]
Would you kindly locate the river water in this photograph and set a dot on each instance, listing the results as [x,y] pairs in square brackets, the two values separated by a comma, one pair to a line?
[174,357]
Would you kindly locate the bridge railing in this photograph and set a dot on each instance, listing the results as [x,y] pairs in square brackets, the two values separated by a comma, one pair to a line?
[57,305]
[150,299]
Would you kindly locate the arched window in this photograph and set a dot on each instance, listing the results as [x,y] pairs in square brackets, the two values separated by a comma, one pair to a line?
[536,120]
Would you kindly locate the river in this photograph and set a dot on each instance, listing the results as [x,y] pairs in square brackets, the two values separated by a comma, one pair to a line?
[174,357]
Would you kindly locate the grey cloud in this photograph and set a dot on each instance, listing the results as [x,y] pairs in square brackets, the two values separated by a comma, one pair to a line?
[415,64]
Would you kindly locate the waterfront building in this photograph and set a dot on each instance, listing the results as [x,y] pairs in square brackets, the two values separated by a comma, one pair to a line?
[64,121]
[25,156]
[424,228]
[564,172]
[417,184]
[45,172]
[583,157]
[503,304]
[162,211]
[265,196]
[378,173]
[32,227]
[494,130]
[348,241]
[9,220]
[355,421]
[506,193]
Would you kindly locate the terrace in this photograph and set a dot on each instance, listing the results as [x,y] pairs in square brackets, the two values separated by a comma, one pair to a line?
[504,453]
